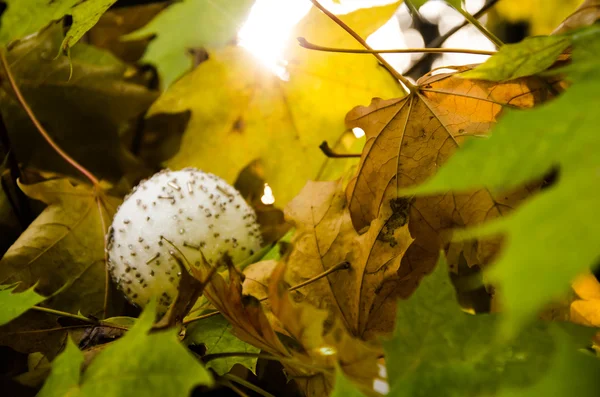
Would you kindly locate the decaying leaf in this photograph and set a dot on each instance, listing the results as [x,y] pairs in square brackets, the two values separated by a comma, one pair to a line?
[243,112]
[64,245]
[320,347]
[308,350]
[362,292]
[550,230]
[84,114]
[34,332]
[409,138]
[244,312]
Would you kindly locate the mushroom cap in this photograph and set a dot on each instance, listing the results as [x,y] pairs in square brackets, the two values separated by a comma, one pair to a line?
[196,211]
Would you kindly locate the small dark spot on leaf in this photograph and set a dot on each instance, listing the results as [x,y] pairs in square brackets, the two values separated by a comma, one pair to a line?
[400,208]
[238,125]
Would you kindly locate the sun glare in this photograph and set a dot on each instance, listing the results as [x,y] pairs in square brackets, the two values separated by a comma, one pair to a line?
[358,132]
[267,30]
[269,25]
[267,198]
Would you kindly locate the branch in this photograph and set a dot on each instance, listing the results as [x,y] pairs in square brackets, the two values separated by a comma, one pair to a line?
[441,39]
[339,266]
[88,320]
[39,126]
[327,151]
[357,37]
[310,46]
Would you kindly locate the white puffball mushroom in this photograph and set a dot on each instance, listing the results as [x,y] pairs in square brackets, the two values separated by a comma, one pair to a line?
[196,211]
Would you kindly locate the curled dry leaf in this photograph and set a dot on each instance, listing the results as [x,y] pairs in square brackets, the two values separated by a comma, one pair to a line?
[308,351]
[321,347]
[244,312]
[585,15]
[363,294]
[409,138]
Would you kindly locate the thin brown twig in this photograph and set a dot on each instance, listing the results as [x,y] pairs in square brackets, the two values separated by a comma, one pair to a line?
[106,272]
[411,87]
[246,384]
[37,331]
[235,389]
[327,151]
[77,317]
[39,126]
[201,317]
[310,46]
[340,266]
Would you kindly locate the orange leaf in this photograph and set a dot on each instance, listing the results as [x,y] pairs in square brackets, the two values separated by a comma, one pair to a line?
[361,295]
[409,138]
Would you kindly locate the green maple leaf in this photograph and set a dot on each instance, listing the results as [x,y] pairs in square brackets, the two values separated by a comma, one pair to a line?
[531,56]
[245,113]
[554,236]
[65,373]
[215,334]
[13,304]
[437,349]
[24,17]
[140,363]
[186,25]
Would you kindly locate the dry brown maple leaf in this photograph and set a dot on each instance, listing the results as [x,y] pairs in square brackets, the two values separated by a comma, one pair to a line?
[244,312]
[320,347]
[409,138]
[308,353]
[360,295]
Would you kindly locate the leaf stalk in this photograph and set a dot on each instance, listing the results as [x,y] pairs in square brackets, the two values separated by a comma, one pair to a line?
[327,151]
[310,46]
